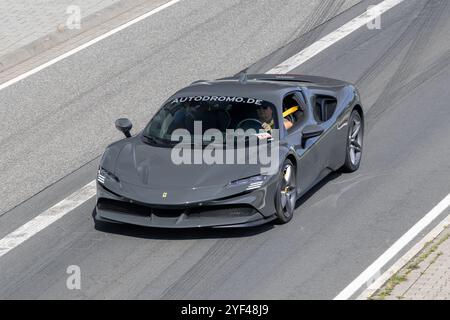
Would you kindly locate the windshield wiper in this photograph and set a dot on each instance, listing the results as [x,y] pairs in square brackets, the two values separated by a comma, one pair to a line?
[159,141]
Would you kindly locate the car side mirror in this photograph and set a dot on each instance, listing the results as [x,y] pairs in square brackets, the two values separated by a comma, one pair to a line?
[311,131]
[124,125]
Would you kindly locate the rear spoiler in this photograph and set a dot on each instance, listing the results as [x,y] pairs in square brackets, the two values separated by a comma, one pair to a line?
[292,78]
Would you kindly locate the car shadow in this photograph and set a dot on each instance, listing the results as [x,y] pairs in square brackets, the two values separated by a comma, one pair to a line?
[203,233]
[332,176]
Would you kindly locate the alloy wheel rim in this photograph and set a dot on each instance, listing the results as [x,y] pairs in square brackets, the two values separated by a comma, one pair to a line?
[288,191]
[355,141]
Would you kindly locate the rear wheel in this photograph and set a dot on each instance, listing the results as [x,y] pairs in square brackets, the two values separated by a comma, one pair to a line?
[354,142]
[286,195]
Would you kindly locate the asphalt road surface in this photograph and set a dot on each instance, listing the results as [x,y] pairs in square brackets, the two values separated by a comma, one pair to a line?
[339,228]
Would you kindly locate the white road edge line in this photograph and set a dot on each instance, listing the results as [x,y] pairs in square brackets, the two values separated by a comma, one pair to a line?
[87,44]
[46,218]
[59,210]
[378,283]
[335,36]
[370,274]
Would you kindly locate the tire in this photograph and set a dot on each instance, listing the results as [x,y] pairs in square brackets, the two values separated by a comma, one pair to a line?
[354,146]
[286,194]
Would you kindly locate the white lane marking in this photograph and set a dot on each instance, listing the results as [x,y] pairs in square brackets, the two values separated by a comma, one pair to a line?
[87,44]
[405,259]
[375,268]
[46,218]
[36,227]
[334,37]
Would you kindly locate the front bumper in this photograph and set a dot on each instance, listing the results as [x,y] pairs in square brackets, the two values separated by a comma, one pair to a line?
[236,211]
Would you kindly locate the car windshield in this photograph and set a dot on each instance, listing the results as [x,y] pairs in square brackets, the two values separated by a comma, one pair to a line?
[197,114]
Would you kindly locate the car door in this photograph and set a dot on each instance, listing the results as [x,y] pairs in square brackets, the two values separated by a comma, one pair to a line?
[311,158]
[325,106]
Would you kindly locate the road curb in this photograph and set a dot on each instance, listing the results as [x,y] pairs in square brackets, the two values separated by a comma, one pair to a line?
[403,261]
[126,8]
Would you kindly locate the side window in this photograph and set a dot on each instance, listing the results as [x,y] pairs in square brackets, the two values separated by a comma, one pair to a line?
[324,107]
[293,111]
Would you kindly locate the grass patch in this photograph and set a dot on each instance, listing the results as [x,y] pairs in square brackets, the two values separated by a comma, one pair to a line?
[394,281]
[414,264]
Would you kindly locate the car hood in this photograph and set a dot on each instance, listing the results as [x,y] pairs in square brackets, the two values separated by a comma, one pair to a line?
[146,166]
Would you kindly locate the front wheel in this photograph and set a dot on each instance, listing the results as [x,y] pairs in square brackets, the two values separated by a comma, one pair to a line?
[286,195]
[354,142]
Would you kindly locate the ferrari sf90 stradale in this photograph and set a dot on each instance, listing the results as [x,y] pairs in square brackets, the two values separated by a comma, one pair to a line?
[310,126]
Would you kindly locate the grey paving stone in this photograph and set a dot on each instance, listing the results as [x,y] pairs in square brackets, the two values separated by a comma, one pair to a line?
[24,21]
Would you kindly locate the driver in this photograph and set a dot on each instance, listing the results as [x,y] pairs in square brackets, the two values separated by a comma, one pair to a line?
[265,115]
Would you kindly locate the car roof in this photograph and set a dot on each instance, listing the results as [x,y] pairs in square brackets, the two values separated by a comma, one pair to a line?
[271,91]
[269,87]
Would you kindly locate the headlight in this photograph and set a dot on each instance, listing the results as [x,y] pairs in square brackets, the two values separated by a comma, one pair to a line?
[252,182]
[104,174]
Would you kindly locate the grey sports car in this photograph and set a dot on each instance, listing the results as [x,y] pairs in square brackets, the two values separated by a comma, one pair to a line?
[175,174]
